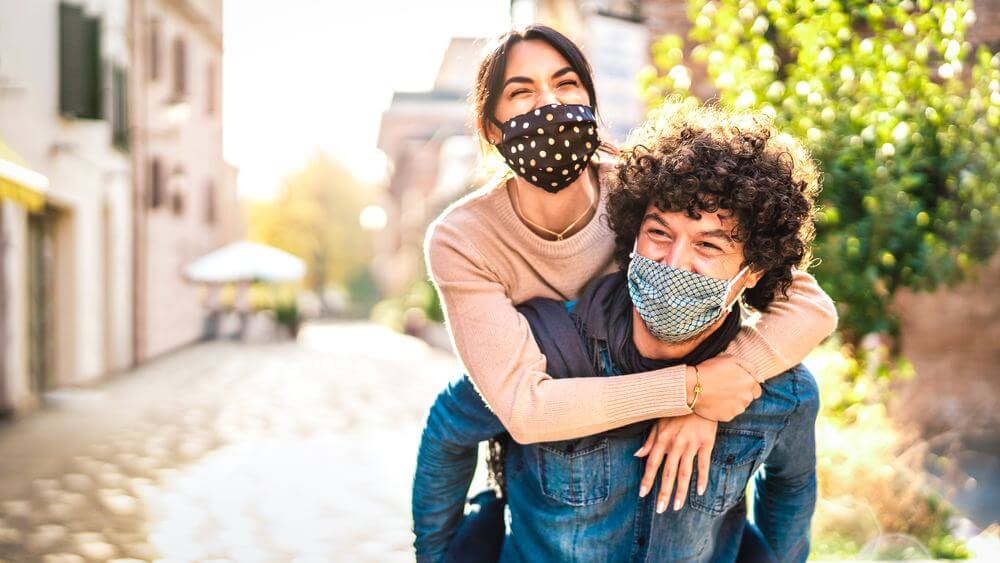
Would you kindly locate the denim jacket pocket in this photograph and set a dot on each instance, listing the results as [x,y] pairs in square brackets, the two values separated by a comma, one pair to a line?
[575,472]
[736,455]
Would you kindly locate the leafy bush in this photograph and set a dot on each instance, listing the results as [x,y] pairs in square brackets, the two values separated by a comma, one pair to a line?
[899,108]
[287,313]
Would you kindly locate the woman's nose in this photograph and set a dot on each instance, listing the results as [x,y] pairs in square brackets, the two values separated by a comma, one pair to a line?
[547,97]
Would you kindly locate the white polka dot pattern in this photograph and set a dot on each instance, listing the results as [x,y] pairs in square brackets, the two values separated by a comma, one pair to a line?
[526,136]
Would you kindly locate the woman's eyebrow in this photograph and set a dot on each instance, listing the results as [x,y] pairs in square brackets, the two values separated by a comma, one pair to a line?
[561,72]
[518,79]
[526,80]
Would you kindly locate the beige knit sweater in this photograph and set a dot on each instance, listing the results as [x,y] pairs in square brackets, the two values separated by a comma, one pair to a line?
[484,260]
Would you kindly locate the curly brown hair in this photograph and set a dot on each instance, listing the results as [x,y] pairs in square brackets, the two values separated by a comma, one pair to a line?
[698,158]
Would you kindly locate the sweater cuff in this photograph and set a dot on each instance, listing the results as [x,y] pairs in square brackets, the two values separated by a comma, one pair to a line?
[755,353]
[646,396]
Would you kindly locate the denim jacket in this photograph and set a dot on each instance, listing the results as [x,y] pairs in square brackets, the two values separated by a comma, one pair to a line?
[577,500]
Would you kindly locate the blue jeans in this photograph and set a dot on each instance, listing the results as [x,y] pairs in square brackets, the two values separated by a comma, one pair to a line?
[446,463]
[577,500]
[774,443]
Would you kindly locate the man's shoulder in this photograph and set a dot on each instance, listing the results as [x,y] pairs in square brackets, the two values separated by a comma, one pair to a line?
[545,305]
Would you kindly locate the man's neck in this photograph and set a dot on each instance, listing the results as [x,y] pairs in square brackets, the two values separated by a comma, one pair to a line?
[652,348]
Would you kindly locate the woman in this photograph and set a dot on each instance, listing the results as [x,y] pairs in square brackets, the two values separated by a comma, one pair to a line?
[537,233]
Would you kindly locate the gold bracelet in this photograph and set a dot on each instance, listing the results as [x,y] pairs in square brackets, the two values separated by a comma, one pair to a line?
[697,388]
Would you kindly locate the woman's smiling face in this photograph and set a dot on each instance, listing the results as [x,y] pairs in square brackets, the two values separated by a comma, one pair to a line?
[536,75]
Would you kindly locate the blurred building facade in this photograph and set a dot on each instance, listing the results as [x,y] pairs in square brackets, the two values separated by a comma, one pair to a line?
[427,139]
[67,257]
[79,236]
[185,193]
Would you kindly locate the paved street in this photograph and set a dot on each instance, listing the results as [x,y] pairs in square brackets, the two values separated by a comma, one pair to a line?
[227,452]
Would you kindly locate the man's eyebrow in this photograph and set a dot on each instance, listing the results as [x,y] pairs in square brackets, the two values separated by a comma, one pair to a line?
[718,233]
[654,217]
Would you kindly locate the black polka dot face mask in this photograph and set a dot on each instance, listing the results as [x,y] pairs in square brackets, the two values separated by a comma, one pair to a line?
[550,146]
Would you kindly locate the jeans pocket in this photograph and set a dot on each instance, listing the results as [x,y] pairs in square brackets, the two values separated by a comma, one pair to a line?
[737,453]
[575,472]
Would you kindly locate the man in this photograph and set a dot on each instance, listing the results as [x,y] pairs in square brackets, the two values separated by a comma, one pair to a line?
[710,207]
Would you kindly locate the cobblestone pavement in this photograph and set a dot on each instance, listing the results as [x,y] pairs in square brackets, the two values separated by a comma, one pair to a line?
[299,451]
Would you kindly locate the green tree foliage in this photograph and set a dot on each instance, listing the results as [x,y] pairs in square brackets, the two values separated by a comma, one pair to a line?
[899,109]
[315,216]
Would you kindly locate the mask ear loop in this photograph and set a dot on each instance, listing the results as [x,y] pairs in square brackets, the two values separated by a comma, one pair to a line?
[500,128]
[635,244]
[731,283]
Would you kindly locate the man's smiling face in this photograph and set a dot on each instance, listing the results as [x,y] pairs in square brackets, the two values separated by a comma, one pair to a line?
[704,246]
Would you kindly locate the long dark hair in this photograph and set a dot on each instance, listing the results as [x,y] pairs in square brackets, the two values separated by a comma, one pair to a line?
[493,67]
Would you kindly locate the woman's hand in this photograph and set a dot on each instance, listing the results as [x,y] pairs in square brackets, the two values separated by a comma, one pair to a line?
[681,439]
[727,388]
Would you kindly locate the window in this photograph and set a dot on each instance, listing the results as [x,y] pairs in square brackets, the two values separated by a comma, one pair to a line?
[180,67]
[156,187]
[210,89]
[210,202]
[177,183]
[177,203]
[154,49]
[119,107]
[80,84]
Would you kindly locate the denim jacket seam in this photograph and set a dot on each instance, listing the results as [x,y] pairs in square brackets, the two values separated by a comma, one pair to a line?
[793,410]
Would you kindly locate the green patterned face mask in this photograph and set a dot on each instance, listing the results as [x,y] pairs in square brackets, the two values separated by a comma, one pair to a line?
[677,305]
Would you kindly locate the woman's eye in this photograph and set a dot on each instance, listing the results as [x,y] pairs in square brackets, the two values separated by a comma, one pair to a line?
[568,83]
[657,232]
[518,92]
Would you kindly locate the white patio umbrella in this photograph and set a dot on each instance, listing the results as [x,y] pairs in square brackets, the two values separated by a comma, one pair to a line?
[246,261]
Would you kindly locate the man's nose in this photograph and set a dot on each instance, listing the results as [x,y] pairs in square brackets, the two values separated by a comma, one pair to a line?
[677,257]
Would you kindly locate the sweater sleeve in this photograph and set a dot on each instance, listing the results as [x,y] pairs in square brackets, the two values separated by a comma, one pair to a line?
[495,344]
[789,329]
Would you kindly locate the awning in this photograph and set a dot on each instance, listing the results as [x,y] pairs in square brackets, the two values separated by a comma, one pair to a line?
[246,261]
[19,183]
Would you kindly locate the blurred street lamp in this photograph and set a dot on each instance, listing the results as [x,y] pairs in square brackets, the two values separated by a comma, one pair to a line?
[373,218]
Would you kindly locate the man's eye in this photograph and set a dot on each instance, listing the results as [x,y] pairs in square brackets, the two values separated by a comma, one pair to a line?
[657,232]
[709,246]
